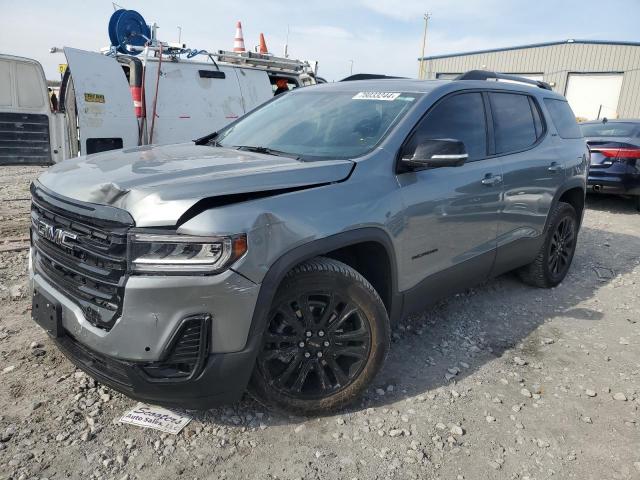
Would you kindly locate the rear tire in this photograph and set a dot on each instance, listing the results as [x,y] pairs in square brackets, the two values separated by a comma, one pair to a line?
[327,337]
[556,253]
[637,202]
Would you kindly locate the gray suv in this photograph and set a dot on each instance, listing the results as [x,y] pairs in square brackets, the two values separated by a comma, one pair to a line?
[277,254]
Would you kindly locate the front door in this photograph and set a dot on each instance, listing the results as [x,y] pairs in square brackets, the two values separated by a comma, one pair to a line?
[451,213]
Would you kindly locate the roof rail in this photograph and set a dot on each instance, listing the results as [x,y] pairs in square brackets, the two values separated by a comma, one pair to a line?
[366,76]
[487,75]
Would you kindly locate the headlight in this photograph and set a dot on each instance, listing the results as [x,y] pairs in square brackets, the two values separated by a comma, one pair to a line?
[183,254]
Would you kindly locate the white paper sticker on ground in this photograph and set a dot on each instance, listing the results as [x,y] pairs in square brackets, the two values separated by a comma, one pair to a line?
[150,416]
[388,96]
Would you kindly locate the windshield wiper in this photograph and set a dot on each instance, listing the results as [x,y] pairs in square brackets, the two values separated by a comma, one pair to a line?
[267,151]
[207,140]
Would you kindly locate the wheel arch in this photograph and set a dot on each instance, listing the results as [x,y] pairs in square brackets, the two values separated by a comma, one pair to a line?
[573,193]
[337,246]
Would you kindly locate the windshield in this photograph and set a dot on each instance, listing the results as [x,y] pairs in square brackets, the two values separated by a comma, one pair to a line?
[319,124]
[618,129]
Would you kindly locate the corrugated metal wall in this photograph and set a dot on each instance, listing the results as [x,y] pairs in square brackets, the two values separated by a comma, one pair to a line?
[556,62]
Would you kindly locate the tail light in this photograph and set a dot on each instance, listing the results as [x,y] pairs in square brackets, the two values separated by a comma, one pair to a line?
[618,154]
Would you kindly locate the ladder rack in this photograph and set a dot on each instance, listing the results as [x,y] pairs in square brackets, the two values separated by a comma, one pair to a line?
[261,60]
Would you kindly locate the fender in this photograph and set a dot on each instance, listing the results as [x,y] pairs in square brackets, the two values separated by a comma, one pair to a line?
[286,262]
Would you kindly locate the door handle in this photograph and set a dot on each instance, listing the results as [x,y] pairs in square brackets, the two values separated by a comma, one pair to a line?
[491,180]
[554,167]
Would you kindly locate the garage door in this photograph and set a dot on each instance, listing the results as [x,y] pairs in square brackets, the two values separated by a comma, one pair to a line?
[593,96]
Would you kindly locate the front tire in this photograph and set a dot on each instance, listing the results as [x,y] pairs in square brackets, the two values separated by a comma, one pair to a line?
[554,257]
[328,335]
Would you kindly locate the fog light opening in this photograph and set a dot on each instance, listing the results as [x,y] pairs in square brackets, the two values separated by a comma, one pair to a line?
[187,352]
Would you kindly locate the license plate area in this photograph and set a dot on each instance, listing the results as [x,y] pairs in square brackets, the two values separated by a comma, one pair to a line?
[47,313]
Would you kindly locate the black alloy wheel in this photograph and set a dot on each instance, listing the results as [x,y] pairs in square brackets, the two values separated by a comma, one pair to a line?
[327,336]
[316,345]
[555,254]
[562,246]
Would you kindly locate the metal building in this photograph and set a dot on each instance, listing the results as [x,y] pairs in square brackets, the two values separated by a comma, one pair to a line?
[599,78]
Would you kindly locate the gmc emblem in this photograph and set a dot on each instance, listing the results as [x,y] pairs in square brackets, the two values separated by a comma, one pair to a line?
[56,235]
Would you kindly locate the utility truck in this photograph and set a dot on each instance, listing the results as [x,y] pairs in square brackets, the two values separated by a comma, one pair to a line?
[139,91]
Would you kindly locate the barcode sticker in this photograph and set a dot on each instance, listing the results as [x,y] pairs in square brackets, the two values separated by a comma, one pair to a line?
[388,96]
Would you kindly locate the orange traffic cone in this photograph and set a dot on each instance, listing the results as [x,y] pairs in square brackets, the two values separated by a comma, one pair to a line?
[238,42]
[263,45]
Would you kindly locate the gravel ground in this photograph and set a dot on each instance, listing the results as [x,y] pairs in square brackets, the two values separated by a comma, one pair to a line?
[502,381]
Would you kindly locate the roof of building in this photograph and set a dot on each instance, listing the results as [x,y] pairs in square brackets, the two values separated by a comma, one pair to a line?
[534,45]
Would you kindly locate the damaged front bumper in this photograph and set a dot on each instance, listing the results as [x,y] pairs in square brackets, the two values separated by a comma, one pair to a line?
[179,341]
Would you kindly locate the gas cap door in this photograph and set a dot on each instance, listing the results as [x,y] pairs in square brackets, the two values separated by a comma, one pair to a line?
[106,117]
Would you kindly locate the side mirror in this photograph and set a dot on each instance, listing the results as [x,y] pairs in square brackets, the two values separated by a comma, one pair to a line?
[437,153]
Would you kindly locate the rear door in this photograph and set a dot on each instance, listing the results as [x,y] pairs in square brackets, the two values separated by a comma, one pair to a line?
[25,114]
[532,169]
[255,87]
[191,100]
[106,117]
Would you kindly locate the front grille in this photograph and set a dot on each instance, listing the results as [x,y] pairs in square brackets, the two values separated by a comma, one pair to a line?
[83,257]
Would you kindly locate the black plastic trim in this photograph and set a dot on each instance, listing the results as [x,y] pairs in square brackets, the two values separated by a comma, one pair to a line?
[285,263]
[205,335]
[447,282]
[211,74]
[223,379]
[569,185]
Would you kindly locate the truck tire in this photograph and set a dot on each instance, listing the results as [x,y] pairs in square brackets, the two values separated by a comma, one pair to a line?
[327,336]
[637,202]
[556,253]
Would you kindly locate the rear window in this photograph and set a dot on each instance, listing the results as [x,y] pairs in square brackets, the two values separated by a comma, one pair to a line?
[513,122]
[609,129]
[563,118]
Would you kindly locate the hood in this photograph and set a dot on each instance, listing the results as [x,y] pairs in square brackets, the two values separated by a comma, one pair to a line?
[157,184]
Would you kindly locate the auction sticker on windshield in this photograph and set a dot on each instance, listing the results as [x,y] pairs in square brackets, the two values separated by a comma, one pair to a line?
[388,96]
[150,416]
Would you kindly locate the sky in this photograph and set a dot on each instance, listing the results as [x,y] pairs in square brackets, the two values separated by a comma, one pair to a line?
[378,36]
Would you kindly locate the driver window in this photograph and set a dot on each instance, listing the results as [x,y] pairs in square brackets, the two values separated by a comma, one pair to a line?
[460,117]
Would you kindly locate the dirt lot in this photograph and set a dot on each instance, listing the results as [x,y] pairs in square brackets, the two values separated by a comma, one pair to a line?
[503,381]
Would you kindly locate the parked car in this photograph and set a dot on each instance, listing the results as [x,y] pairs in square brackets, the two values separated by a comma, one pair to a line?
[615,157]
[278,253]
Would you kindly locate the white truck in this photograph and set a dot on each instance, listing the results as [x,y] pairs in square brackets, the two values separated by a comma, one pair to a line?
[119,101]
